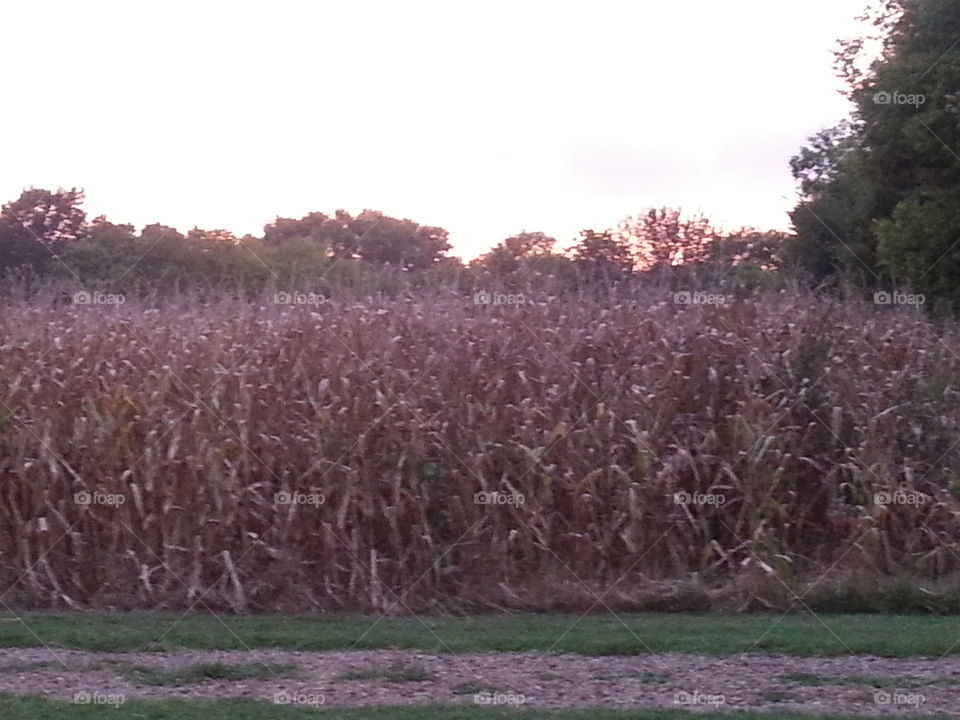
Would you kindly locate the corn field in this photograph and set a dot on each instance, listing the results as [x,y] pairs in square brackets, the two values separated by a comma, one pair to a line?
[435,454]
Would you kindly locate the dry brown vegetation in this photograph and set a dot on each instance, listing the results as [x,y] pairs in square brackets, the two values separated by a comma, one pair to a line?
[391,416]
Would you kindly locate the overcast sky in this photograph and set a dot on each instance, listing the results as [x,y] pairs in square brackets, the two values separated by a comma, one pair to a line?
[485,118]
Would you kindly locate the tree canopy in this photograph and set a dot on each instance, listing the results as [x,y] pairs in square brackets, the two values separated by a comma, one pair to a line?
[879,192]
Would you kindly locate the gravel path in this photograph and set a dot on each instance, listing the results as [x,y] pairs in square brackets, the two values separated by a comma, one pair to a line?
[854,685]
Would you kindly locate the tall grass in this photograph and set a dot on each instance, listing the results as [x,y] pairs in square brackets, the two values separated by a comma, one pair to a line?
[633,442]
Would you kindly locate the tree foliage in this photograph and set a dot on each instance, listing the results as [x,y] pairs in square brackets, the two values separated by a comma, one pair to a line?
[370,236]
[603,257]
[878,191]
[53,218]
[517,253]
[663,237]
[48,231]
[38,224]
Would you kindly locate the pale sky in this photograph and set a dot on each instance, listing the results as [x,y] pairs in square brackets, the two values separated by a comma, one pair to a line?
[486,118]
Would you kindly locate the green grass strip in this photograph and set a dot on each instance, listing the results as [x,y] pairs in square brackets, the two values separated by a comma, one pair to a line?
[828,635]
[40,709]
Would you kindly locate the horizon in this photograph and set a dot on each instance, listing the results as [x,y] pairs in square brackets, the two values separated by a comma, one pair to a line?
[536,118]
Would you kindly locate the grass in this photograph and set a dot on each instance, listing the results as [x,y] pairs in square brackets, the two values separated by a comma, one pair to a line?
[203,672]
[830,635]
[40,709]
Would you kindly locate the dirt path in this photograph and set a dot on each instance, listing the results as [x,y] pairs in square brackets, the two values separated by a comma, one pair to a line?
[854,685]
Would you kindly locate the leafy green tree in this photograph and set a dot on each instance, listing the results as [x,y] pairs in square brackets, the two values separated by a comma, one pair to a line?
[19,248]
[384,240]
[877,194]
[516,253]
[51,217]
[662,238]
[316,226]
[746,259]
[370,236]
[917,150]
[920,247]
[157,233]
[834,233]
[37,225]
[213,237]
[101,230]
[602,256]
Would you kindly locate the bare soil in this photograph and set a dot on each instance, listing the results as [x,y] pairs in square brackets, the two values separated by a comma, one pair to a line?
[869,685]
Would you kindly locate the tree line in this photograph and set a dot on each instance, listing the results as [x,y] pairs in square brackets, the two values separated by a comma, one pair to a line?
[880,192]
[878,209]
[47,233]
